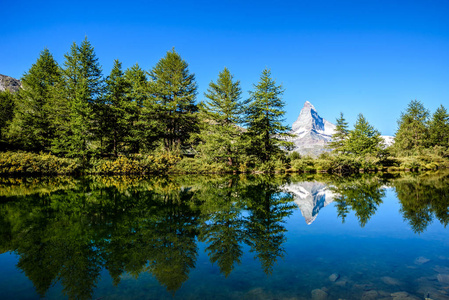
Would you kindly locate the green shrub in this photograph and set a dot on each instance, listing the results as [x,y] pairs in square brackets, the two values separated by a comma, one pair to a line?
[199,166]
[139,164]
[32,163]
[294,156]
[303,165]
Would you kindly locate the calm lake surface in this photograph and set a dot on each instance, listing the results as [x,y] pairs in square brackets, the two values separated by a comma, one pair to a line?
[225,237]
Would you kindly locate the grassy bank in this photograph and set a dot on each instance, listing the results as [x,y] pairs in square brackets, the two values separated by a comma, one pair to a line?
[19,163]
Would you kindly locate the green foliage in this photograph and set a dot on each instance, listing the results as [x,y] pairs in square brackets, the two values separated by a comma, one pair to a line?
[412,134]
[220,138]
[264,118]
[363,139]
[144,123]
[30,163]
[117,112]
[33,126]
[143,129]
[84,88]
[223,103]
[173,92]
[339,138]
[146,164]
[305,164]
[6,115]
[199,166]
[439,128]
[294,156]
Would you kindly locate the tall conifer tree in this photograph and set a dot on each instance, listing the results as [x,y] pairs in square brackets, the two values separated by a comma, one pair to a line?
[173,89]
[412,134]
[144,130]
[222,112]
[264,118]
[340,136]
[85,87]
[33,124]
[439,128]
[117,109]
[363,139]
[6,115]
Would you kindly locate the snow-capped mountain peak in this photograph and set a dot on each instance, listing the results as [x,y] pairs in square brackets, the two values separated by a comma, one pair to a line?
[311,131]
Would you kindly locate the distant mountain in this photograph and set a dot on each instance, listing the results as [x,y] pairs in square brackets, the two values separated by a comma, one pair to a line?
[9,83]
[311,132]
[310,197]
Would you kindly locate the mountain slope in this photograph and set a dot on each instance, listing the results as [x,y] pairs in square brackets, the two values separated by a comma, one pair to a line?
[311,132]
[9,83]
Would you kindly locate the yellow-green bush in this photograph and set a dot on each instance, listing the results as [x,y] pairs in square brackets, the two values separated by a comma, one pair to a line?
[32,163]
[199,166]
[306,164]
[138,164]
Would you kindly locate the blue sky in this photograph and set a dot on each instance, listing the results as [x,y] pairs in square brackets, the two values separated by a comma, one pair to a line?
[370,57]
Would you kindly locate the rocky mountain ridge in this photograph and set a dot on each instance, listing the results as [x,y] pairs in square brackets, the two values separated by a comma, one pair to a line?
[9,83]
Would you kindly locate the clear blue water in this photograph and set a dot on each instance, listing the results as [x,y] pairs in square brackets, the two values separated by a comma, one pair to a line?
[225,238]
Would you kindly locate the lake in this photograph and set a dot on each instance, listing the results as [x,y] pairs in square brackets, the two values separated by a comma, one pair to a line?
[379,236]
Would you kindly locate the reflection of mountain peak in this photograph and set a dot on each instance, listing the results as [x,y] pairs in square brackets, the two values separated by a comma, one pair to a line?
[310,198]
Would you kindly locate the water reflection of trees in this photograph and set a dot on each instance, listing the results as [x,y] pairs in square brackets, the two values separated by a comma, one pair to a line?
[422,198]
[68,230]
[73,230]
[363,195]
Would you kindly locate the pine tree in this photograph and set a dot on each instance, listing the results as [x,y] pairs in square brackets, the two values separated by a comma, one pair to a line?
[222,112]
[264,118]
[173,89]
[412,133]
[439,128]
[364,138]
[33,124]
[117,109]
[84,83]
[340,136]
[6,114]
[144,130]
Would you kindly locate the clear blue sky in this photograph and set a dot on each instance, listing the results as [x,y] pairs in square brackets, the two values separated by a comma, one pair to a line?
[370,57]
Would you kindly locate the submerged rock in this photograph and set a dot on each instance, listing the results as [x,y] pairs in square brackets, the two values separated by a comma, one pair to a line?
[390,281]
[443,278]
[384,293]
[342,283]
[403,296]
[334,277]
[318,294]
[399,294]
[421,260]
[370,295]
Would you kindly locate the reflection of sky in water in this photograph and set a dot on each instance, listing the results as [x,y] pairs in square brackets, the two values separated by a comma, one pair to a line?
[380,259]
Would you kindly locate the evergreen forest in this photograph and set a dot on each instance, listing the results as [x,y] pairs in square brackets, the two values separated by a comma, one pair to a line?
[70,118]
